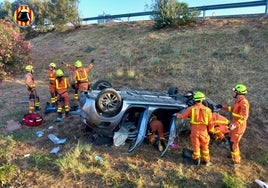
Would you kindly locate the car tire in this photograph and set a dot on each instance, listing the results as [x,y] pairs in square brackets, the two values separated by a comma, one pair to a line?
[101,85]
[109,102]
[173,91]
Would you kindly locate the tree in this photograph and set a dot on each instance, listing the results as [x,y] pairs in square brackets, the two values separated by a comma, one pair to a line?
[170,13]
[63,12]
[14,51]
[6,10]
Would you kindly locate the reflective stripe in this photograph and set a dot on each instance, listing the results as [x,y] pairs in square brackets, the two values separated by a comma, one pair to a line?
[236,115]
[229,108]
[192,120]
[222,122]
[81,78]
[65,84]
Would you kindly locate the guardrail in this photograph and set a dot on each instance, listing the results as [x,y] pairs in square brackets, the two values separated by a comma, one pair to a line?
[201,8]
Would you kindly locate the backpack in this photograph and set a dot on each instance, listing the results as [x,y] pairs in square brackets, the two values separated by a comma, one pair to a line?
[32,120]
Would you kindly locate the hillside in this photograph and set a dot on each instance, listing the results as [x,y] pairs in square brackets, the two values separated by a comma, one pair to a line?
[212,56]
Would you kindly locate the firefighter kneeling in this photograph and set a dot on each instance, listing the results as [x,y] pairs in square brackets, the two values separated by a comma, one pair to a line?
[156,128]
[62,84]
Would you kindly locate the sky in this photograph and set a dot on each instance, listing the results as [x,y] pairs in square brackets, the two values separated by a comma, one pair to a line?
[93,8]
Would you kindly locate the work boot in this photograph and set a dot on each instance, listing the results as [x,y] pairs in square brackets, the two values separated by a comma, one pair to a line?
[159,144]
[162,141]
[37,108]
[233,164]
[208,163]
[197,161]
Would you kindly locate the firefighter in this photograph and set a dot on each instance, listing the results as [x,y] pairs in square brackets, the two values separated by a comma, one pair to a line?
[221,130]
[200,119]
[62,84]
[80,78]
[238,125]
[51,74]
[34,102]
[156,128]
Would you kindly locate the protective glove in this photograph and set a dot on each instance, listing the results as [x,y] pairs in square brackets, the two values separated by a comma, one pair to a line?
[231,126]
[218,106]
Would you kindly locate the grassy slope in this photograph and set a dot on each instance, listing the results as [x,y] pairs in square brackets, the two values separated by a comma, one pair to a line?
[212,56]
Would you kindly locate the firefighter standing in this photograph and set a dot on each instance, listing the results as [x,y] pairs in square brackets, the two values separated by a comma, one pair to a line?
[80,78]
[240,113]
[34,102]
[156,128]
[51,74]
[62,84]
[200,119]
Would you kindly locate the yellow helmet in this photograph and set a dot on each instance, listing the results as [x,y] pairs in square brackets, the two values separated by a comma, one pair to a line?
[240,89]
[199,96]
[29,68]
[59,73]
[52,64]
[78,64]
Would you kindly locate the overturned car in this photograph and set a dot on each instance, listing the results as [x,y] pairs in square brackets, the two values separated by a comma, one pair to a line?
[106,110]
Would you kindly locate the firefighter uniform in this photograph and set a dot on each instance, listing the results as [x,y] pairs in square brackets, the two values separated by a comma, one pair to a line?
[34,102]
[220,124]
[51,74]
[62,84]
[156,128]
[80,78]
[238,125]
[200,119]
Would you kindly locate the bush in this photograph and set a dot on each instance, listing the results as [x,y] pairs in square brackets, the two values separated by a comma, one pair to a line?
[14,50]
[171,13]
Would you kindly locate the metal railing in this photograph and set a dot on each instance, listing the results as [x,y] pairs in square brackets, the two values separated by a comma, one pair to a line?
[200,8]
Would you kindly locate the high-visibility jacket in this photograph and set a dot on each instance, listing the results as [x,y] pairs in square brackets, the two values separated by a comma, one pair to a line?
[80,75]
[29,81]
[200,117]
[62,84]
[220,123]
[51,74]
[240,113]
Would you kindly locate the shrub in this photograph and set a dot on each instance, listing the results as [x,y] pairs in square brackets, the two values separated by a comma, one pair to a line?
[170,13]
[14,50]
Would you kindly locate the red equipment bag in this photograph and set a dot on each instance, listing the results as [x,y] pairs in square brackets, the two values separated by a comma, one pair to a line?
[32,120]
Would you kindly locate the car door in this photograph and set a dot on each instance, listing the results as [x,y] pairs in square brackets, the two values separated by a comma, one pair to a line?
[143,121]
[172,135]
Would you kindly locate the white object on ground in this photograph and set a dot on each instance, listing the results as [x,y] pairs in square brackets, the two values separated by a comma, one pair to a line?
[55,149]
[120,136]
[56,140]
[261,183]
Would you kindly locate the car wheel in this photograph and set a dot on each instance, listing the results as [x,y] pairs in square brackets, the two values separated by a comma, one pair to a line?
[172,91]
[101,85]
[109,102]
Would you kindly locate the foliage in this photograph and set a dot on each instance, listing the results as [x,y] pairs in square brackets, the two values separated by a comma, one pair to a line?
[14,50]
[232,182]
[62,12]
[5,10]
[48,13]
[170,13]
[7,173]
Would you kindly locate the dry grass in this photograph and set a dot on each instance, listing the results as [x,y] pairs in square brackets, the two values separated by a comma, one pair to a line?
[212,56]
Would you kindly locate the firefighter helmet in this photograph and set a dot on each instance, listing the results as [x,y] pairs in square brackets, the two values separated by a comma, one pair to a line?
[78,64]
[240,89]
[199,96]
[59,73]
[29,68]
[52,64]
